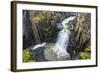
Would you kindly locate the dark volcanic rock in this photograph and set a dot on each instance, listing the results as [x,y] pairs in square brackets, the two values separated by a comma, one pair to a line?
[39,54]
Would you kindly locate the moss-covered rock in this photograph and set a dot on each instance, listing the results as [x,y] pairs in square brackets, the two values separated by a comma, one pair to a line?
[84,55]
[28,56]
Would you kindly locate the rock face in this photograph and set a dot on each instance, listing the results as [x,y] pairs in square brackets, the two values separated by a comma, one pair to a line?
[28,38]
[80,38]
[39,54]
[83,30]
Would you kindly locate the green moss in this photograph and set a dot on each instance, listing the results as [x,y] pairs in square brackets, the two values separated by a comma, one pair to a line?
[28,56]
[84,55]
[47,31]
[87,49]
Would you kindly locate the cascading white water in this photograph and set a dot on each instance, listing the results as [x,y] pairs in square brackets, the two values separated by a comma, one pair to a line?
[60,46]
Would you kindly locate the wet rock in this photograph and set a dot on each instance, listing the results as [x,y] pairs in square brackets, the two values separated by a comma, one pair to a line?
[39,54]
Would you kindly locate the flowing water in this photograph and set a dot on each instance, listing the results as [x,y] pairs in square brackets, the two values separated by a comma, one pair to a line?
[60,47]
[61,44]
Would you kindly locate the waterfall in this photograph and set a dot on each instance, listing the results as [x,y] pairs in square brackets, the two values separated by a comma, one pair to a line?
[60,47]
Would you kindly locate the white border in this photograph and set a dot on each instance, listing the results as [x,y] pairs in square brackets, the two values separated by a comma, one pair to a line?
[21,65]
